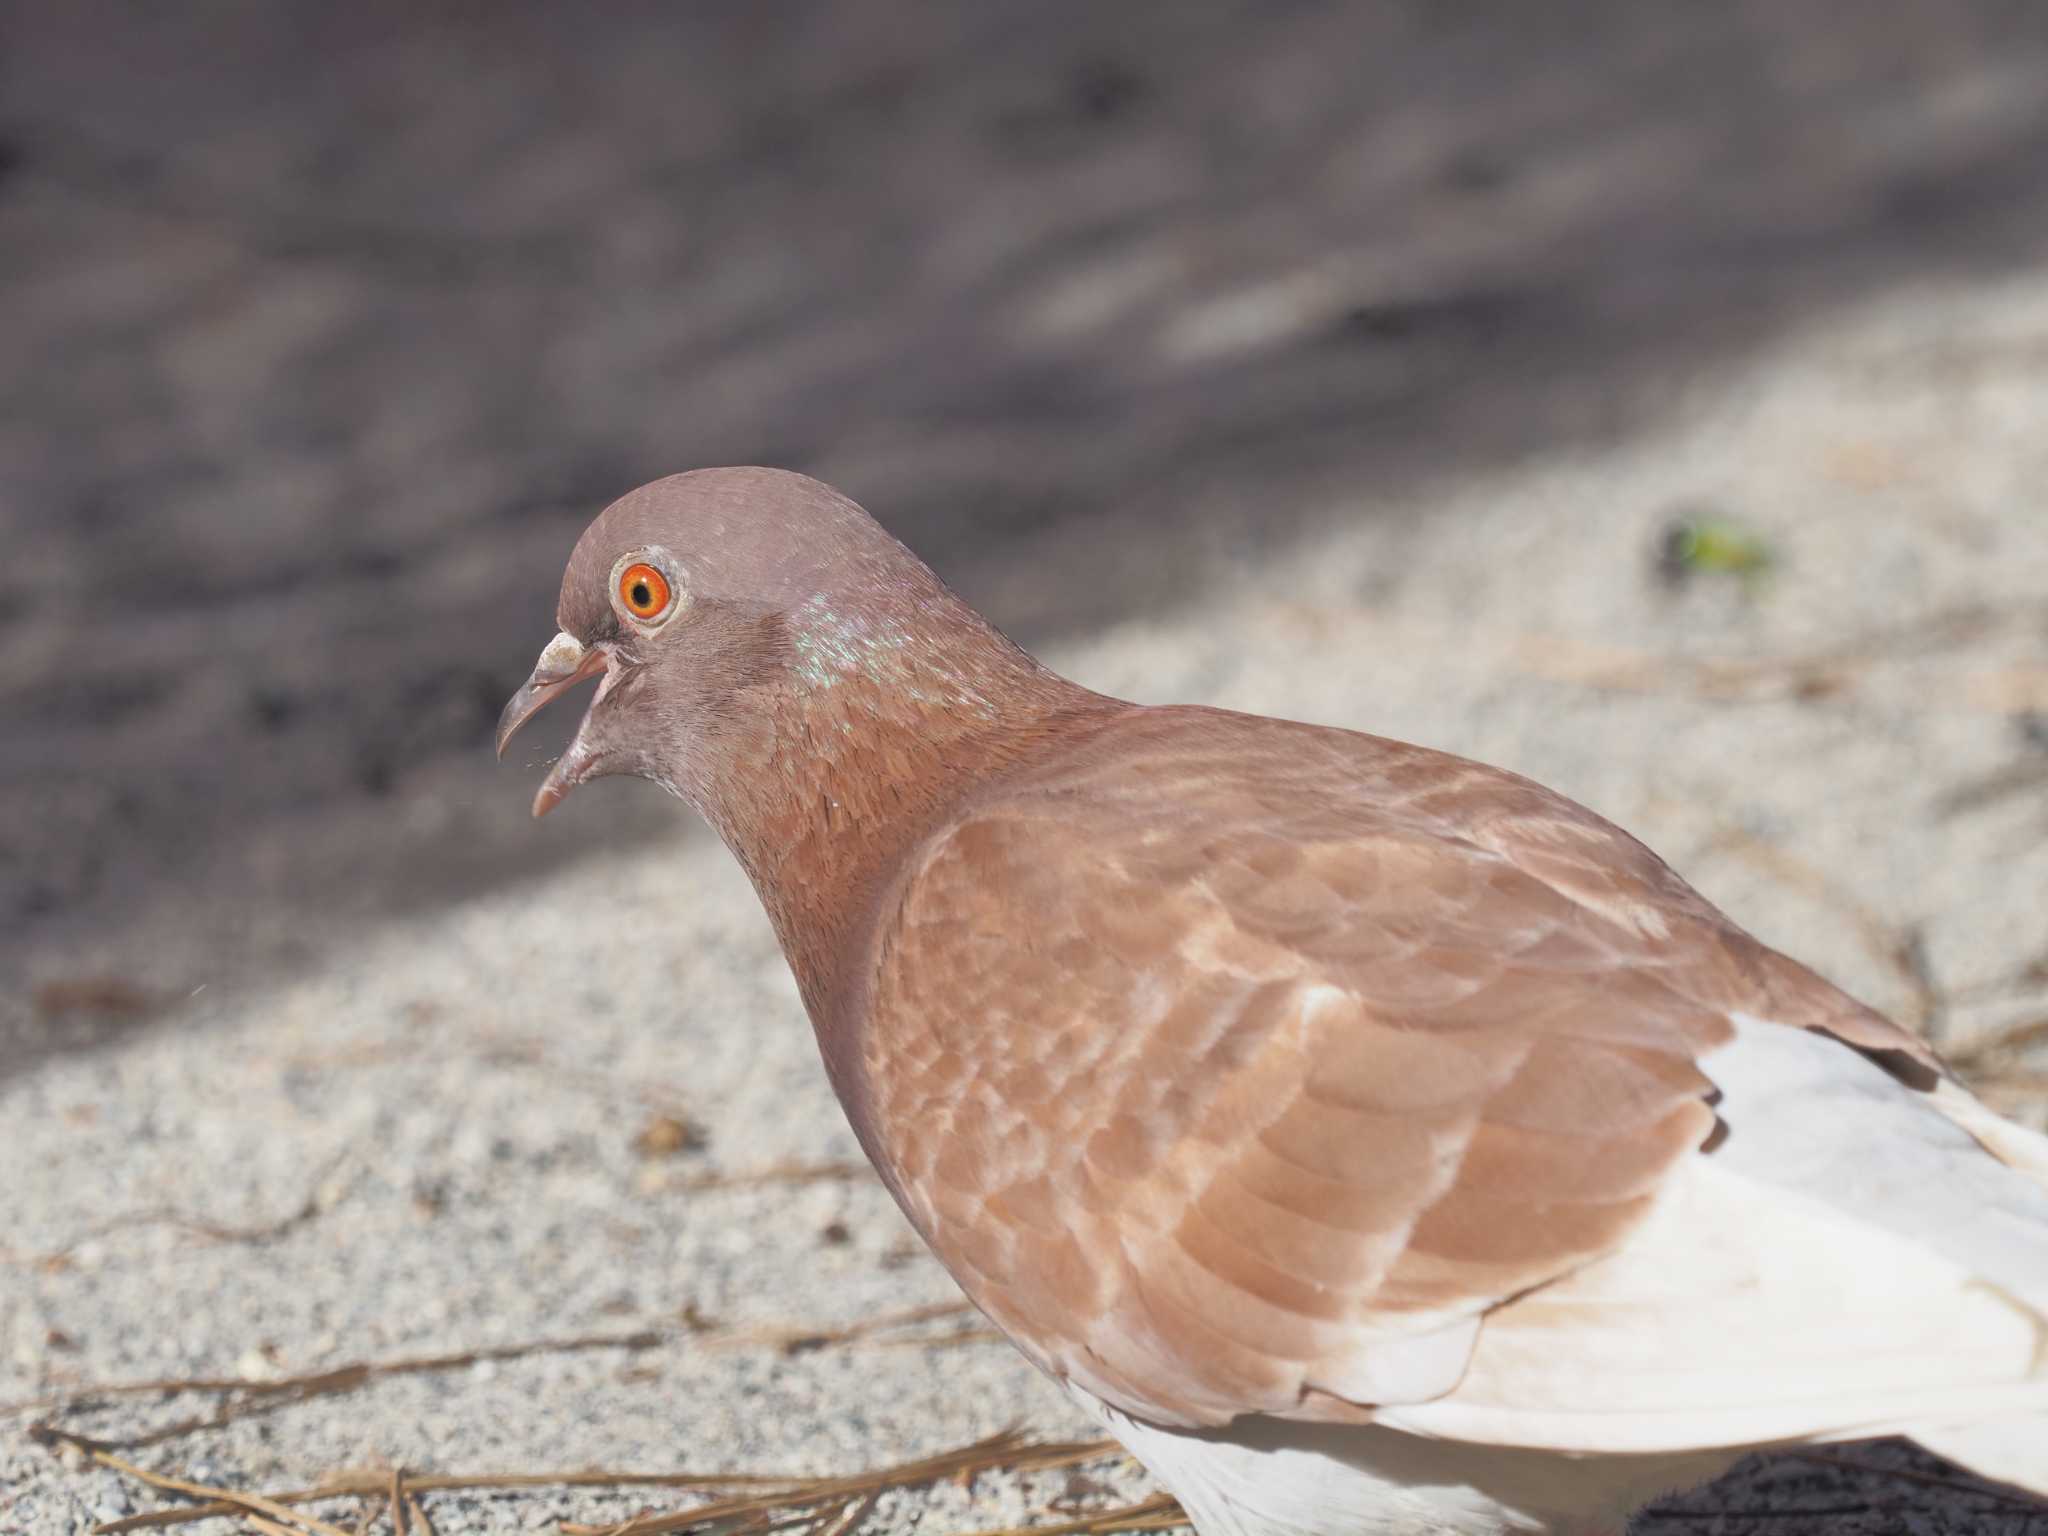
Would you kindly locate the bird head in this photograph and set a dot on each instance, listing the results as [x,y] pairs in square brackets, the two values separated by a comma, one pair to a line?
[704,601]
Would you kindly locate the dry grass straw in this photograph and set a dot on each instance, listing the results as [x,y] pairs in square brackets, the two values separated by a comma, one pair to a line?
[749,1502]
[2000,1044]
[793,1174]
[828,1501]
[1158,1513]
[319,1198]
[742,1503]
[1817,674]
[217,1501]
[245,1398]
[885,1331]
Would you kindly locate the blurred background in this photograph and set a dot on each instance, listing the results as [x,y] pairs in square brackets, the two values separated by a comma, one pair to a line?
[1648,396]
[329,327]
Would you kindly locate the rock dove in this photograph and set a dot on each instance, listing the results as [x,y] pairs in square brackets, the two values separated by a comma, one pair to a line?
[1373,1140]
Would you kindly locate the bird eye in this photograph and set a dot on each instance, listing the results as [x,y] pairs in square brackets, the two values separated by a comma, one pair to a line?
[644,591]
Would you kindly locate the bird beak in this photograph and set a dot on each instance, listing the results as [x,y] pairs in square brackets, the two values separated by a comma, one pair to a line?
[565,663]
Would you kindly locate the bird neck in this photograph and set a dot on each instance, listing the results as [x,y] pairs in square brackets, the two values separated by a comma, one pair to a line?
[876,735]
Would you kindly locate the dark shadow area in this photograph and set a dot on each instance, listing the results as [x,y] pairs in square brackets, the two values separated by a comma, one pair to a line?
[329,327]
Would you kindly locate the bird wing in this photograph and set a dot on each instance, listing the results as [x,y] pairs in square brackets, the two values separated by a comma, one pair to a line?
[1235,1066]
[1848,1262]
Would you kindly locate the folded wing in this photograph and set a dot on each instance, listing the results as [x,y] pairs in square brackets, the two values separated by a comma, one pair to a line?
[1236,1066]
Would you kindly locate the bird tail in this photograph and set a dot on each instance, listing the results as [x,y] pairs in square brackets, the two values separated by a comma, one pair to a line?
[2011,1451]
[2012,1144]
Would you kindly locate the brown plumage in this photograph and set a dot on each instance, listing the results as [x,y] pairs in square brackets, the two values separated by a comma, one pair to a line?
[1215,1048]
[1234,1067]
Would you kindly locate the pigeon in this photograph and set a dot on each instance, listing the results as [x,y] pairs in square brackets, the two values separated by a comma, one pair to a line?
[1372,1140]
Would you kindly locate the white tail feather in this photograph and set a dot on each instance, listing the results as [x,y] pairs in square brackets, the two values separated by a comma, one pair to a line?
[1806,1115]
[2010,1451]
[2014,1145]
[2013,1451]
[1849,1262]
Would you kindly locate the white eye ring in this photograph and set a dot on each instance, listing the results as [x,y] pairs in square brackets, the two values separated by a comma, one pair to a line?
[647,587]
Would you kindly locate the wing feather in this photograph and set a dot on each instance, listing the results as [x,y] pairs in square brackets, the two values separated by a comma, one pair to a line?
[1318,1050]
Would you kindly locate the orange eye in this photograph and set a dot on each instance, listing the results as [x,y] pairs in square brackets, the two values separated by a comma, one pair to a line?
[644,591]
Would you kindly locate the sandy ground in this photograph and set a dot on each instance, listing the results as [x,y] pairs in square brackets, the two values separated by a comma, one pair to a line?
[315,1052]
[452,1103]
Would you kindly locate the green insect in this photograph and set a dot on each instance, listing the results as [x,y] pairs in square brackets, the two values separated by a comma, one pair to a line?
[1697,546]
